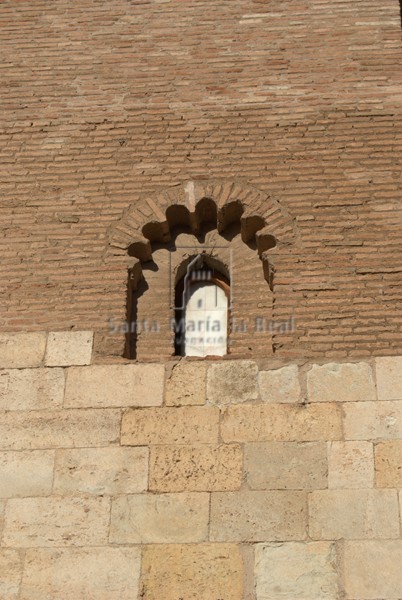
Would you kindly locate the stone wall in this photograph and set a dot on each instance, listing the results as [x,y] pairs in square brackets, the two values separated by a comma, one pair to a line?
[196,480]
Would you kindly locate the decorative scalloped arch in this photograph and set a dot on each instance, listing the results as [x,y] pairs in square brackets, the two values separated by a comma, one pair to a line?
[198,202]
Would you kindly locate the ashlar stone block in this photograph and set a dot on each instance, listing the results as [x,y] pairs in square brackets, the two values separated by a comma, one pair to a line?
[232,382]
[24,430]
[101,471]
[22,350]
[160,519]
[101,386]
[255,516]
[187,384]
[389,377]
[286,465]
[353,514]
[193,572]
[341,382]
[296,570]
[81,574]
[350,465]
[388,464]
[280,385]
[56,521]
[170,425]
[27,473]
[66,348]
[281,423]
[10,574]
[372,569]
[196,468]
[373,420]
[31,389]
[2,510]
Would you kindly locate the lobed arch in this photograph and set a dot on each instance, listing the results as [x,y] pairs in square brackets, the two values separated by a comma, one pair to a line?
[196,204]
[206,210]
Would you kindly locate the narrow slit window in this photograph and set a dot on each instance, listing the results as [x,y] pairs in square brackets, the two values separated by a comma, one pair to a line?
[202,322]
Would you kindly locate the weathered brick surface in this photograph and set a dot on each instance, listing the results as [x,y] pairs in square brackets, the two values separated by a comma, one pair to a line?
[103,120]
[81,573]
[194,572]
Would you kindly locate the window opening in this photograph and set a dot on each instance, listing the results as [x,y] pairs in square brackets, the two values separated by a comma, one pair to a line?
[202,316]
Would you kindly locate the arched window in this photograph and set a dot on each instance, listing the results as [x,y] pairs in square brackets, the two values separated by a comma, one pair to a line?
[202,311]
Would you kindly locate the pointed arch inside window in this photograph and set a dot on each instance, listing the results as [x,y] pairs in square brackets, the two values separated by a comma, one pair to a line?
[202,315]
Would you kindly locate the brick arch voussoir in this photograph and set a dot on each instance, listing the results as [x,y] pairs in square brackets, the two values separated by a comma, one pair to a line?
[150,219]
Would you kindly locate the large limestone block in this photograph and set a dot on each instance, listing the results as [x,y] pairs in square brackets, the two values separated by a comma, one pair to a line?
[196,468]
[296,570]
[65,348]
[100,386]
[171,425]
[59,429]
[232,381]
[31,389]
[281,422]
[350,465]
[27,473]
[389,377]
[199,572]
[280,385]
[249,516]
[21,350]
[81,574]
[159,519]
[2,510]
[187,384]
[101,471]
[372,570]
[286,465]
[10,574]
[56,521]
[341,382]
[373,420]
[353,514]
[388,464]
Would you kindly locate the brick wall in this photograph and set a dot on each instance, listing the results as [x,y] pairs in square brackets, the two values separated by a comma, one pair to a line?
[233,480]
[107,103]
